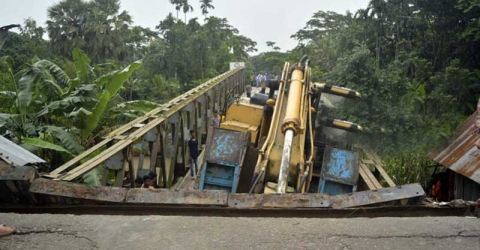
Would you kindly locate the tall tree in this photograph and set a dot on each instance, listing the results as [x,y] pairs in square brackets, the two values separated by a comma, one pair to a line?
[177,4]
[67,25]
[205,5]
[271,44]
[186,8]
[97,27]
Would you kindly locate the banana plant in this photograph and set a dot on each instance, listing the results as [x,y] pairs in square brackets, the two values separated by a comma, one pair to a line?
[52,111]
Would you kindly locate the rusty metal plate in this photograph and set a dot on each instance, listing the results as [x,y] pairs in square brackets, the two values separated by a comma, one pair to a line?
[460,154]
[23,173]
[371,197]
[246,201]
[225,146]
[78,191]
[177,197]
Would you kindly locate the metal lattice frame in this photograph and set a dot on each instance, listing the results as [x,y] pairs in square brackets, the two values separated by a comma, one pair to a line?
[162,130]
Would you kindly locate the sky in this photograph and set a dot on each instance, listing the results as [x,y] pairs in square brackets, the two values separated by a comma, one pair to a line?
[260,20]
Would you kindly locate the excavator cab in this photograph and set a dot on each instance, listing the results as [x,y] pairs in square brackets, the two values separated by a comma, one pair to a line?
[336,160]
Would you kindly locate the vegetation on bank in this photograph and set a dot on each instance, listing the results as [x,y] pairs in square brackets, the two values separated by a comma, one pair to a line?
[416,63]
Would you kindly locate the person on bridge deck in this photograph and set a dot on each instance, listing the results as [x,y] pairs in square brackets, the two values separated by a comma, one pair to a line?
[248,90]
[126,180]
[193,149]
[258,80]
[277,77]
[216,119]
[153,175]
[147,182]
[138,182]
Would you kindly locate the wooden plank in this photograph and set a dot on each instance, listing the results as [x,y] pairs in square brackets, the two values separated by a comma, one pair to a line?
[379,166]
[367,161]
[366,179]
[372,155]
[370,176]
[385,176]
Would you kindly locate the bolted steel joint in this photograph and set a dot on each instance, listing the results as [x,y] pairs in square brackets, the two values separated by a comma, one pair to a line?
[291,124]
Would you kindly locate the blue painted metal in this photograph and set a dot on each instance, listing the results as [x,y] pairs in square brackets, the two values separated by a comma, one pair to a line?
[224,157]
[340,171]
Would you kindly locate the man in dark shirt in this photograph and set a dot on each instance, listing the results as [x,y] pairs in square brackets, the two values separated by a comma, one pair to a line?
[193,149]
[153,175]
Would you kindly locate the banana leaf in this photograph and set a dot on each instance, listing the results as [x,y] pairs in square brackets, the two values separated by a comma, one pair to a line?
[39,143]
[113,82]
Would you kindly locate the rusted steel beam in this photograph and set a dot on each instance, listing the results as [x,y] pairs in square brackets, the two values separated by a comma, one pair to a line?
[162,155]
[356,199]
[414,192]
[177,197]
[18,173]
[173,157]
[77,191]
[251,201]
[182,135]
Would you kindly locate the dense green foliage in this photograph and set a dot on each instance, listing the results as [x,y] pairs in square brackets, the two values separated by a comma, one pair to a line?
[61,95]
[416,63]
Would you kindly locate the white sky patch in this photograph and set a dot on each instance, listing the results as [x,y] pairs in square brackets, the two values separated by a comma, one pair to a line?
[260,20]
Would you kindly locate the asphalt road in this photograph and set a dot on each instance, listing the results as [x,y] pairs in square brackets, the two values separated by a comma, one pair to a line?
[69,232]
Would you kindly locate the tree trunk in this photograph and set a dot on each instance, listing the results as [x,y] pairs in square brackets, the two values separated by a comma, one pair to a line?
[201,65]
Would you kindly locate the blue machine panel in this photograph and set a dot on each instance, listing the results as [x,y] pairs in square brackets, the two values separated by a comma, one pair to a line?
[339,173]
[225,146]
[224,157]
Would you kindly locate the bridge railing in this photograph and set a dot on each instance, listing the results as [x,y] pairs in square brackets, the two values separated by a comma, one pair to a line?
[157,140]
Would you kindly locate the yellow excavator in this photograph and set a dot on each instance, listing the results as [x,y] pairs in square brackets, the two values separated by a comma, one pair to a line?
[278,147]
[290,133]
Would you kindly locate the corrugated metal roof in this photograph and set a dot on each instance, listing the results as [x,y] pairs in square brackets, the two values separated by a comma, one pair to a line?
[16,155]
[460,154]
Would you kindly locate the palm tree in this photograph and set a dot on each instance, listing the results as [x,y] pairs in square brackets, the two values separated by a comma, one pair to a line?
[66,25]
[178,5]
[271,44]
[186,8]
[206,4]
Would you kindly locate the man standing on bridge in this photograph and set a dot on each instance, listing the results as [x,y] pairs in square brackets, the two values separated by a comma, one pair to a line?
[193,149]
[216,119]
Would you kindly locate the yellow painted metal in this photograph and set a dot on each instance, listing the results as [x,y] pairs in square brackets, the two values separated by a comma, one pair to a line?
[292,114]
[339,90]
[245,113]
[346,125]
[238,126]
[294,109]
